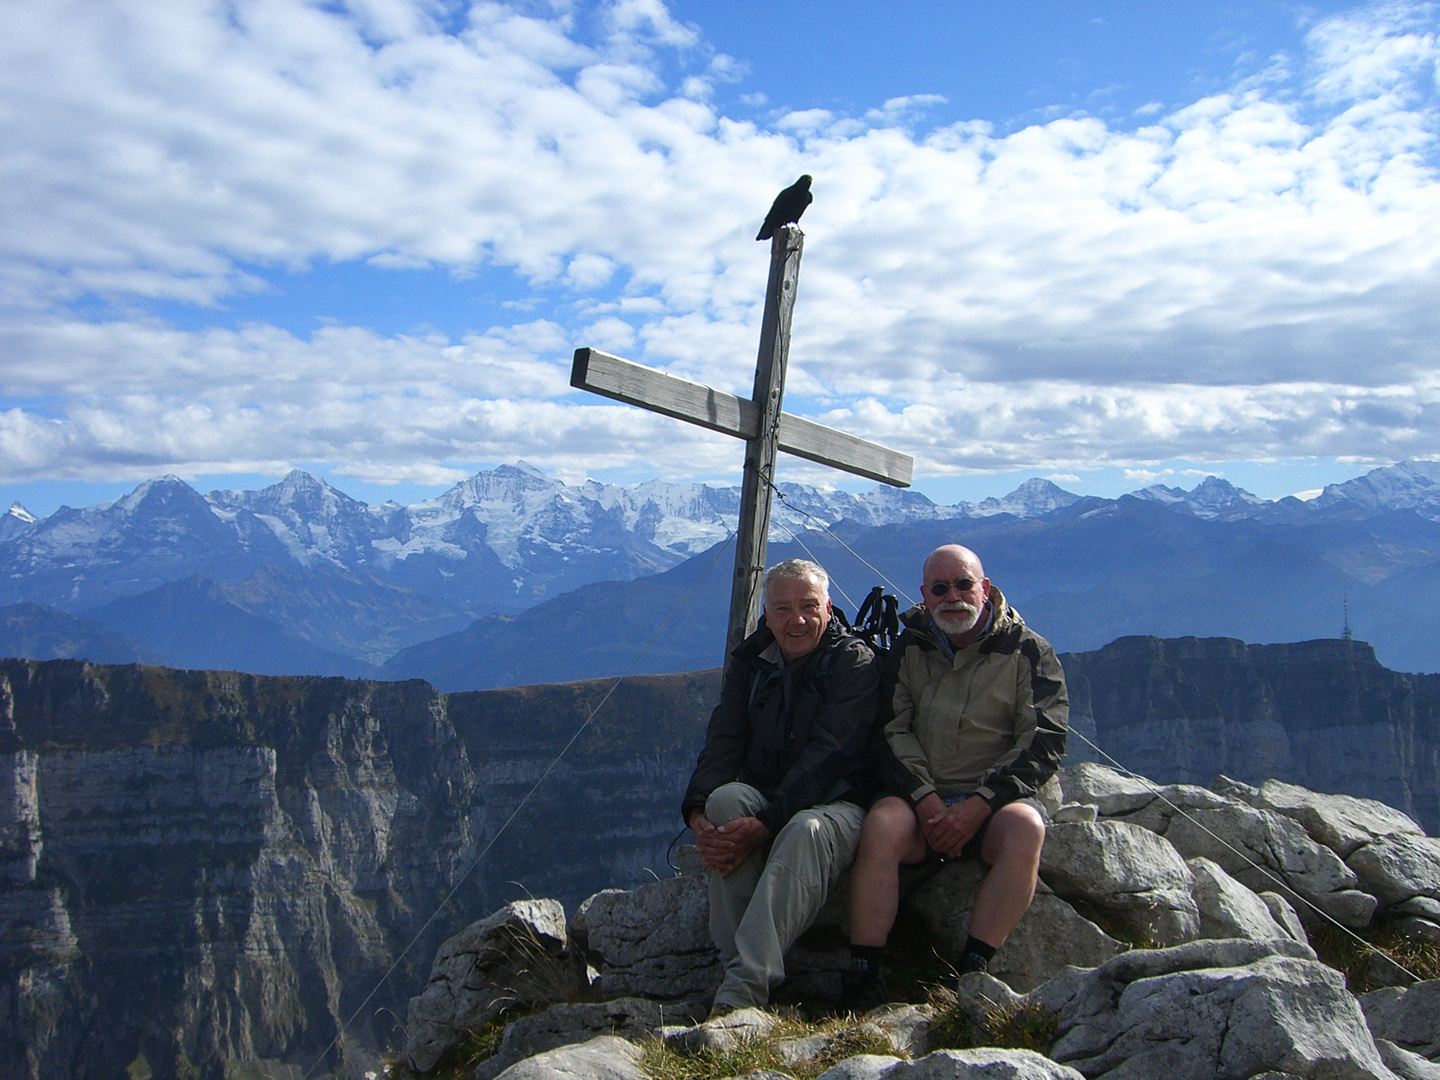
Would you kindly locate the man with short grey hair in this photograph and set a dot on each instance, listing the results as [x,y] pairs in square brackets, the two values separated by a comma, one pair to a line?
[773,799]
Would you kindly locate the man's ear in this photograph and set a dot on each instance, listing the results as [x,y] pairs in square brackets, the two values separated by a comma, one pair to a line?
[985,588]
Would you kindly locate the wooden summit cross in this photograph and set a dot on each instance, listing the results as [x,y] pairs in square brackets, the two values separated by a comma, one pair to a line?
[758,421]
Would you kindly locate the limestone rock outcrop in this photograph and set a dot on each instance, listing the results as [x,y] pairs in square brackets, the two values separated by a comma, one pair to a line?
[1230,910]
[653,941]
[1129,871]
[605,1057]
[987,1063]
[519,957]
[1408,1017]
[1210,1009]
[1051,935]
[1239,995]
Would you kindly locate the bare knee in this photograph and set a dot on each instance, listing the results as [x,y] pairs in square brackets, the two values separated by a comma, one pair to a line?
[1016,832]
[889,832]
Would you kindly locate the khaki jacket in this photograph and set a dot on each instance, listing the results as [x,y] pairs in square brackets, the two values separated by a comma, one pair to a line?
[991,721]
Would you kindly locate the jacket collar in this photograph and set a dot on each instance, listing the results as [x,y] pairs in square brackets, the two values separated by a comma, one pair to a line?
[919,623]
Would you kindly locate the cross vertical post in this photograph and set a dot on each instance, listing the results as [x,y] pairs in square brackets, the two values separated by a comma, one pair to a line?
[759,421]
[752,536]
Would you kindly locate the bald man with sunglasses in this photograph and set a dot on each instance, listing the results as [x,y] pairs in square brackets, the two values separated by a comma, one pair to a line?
[976,725]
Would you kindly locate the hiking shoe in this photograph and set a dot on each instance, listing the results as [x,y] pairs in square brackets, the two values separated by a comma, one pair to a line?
[861,991]
[719,1009]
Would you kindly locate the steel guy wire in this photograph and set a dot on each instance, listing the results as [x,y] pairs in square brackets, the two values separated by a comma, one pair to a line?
[519,806]
[1160,794]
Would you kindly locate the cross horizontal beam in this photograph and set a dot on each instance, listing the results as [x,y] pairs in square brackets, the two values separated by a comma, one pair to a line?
[635,384]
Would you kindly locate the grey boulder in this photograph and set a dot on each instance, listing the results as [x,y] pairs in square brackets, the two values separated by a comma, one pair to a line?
[1412,926]
[570,1023]
[1410,1018]
[724,1032]
[1050,936]
[1178,1014]
[860,1067]
[1228,909]
[986,1063]
[1404,1064]
[1110,792]
[1128,871]
[1284,914]
[906,1026]
[652,941]
[1257,847]
[607,1057]
[981,998]
[1340,822]
[1399,868]
[517,956]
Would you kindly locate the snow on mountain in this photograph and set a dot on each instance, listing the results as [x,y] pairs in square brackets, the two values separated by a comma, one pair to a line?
[162,531]
[312,520]
[1410,485]
[16,522]
[1213,498]
[501,540]
[1034,498]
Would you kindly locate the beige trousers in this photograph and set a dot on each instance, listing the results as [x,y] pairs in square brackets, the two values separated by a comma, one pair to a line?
[773,896]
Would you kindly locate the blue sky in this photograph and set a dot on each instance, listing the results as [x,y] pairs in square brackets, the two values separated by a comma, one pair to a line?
[1108,243]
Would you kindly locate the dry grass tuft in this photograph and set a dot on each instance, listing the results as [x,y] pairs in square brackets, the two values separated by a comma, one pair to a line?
[1356,962]
[1023,1027]
[458,1062]
[848,1036]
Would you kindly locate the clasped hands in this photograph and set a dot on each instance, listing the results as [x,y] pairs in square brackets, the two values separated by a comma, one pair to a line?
[724,847]
[948,829]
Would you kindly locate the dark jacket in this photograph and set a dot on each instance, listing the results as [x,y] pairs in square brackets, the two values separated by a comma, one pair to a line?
[796,732]
[989,719]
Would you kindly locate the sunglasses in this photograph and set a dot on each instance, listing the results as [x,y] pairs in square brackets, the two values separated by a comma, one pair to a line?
[942,588]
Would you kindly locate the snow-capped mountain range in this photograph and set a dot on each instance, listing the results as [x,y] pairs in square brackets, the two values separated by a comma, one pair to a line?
[361,580]
[499,541]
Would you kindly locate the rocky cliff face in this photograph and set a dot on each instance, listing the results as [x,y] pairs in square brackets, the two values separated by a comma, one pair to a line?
[202,869]
[1323,714]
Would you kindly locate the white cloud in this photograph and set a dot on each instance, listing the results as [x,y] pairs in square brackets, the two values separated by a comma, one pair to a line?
[1251,275]
[1143,476]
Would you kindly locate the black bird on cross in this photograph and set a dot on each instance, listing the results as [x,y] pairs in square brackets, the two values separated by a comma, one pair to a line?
[787,207]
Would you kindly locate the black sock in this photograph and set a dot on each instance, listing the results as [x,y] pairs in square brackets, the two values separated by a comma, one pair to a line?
[976,956]
[866,957]
[975,945]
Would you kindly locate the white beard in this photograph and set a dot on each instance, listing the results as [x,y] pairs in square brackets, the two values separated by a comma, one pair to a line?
[957,618]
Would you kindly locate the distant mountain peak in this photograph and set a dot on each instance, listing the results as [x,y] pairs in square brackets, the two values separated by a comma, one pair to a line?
[1034,498]
[1406,485]
[299,478]
[19,513]
[157,492]
[1214,497]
